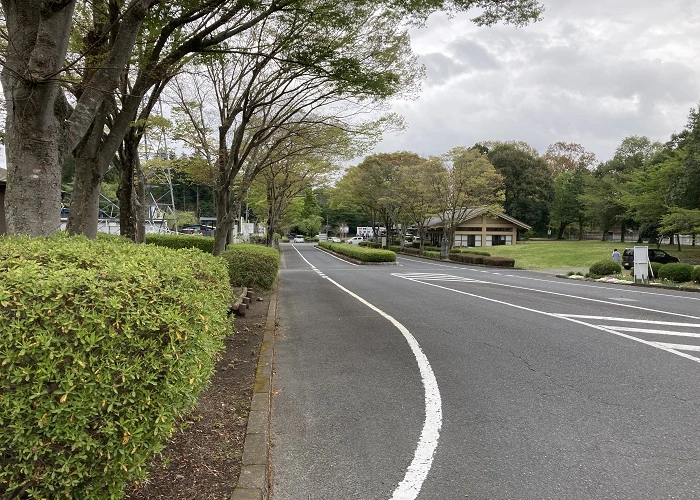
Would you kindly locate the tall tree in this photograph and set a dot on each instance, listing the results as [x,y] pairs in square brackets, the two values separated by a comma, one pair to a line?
[461,180]
[568,157]
[43,128]
[529,189]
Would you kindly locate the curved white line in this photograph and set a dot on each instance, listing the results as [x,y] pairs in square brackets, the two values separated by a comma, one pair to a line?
[410,486]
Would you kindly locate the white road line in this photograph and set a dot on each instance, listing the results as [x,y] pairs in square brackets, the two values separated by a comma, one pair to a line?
[679,347]
[672,333]
[573,283]
[589,299]
[410,486]
[567,318]
[631,320]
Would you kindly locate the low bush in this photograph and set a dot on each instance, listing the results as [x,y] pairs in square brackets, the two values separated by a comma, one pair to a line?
[105,345]
[176,241]
[467,258]
[469,250]
[251,265]
[362,254]
[696,274]
[605,268]
[499,261]
[433,254]
[676,271]
[655,267]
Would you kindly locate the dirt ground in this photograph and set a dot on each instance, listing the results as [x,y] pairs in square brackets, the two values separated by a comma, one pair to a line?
[203,461]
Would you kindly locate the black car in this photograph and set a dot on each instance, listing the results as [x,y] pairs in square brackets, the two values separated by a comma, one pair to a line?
[655,255]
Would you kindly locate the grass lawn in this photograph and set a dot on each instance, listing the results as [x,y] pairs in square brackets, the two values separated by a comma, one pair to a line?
[576,255]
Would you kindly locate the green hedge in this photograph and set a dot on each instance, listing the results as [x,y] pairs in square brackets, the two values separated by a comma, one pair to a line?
[605,267]
[176,241]
[253,266]
[676,271]
[466,258]
[360,253]
[105,345]
[469,250]
[696,274]
[655,267]
[499,261]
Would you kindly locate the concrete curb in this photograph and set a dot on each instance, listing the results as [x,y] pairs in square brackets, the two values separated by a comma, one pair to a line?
[253,482]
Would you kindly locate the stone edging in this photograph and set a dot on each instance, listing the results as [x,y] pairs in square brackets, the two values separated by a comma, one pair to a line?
[253,483]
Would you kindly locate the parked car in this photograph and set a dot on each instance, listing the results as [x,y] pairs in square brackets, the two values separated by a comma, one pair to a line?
[655,255]
[298,239]
[356,240]
[334,239]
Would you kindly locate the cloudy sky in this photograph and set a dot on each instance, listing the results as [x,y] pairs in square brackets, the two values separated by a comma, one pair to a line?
[591,72]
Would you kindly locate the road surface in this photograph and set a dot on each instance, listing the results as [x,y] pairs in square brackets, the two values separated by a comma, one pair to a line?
[433,380]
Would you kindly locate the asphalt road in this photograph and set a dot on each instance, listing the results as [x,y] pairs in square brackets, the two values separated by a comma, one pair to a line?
[440,381]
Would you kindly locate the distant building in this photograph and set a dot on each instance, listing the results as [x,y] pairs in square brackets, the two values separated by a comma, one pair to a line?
[480,227]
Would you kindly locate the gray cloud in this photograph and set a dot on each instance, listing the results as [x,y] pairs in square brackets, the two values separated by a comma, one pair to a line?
[592,72]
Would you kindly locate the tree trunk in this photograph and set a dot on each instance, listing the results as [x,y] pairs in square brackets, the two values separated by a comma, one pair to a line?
[85,202]
[126,192]
[562,228]
[33,196]
[224,218]
[36,112]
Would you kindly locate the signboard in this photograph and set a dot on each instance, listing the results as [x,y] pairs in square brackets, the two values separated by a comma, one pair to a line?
[641,264]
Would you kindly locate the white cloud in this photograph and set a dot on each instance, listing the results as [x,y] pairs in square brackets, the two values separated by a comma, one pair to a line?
[591,72]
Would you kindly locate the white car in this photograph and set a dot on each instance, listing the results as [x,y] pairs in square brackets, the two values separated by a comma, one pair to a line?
[334,239]
[298,239]
[355,240]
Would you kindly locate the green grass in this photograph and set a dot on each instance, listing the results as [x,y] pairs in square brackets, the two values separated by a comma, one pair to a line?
[576,255]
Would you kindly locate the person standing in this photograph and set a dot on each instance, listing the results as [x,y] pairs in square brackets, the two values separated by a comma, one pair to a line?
[616,256]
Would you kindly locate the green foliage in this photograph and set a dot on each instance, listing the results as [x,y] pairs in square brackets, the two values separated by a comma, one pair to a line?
[676,271]
[359,253]
[253,266]
[175,241]
[183,219]
[605,268]
[468,250]
[696,274]
[105,346]
[655,266]
[467,258]
[528,184]
[499,261]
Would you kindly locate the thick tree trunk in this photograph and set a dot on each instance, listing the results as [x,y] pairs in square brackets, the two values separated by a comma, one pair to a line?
[36,112]
[33,196]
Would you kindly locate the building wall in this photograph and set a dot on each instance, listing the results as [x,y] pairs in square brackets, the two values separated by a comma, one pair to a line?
[485,231]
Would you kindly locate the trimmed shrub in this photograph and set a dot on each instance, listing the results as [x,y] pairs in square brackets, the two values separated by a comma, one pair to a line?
[696,274]
[433,254]
[362,254]
[499,261]
[604,268]
[467,258]
[411,251]
[251,265]
[676,271]
[104,347]
[176,241]
[655,267]
[469,250]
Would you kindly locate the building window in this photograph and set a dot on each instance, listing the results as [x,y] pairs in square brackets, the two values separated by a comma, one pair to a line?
[500,239]
[467,240]
[500,229]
